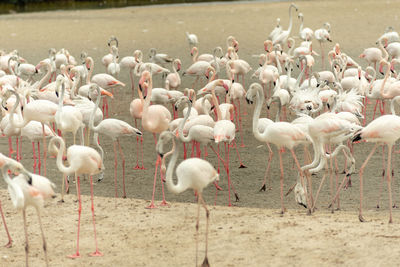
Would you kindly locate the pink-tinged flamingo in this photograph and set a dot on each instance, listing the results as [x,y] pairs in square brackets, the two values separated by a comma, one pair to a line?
[281,134]
[107,59]
[155,119]
[114,129]
[193,173]
[42,111]
[284,35]
[25,190]
[173,80]
[385,129]
[82,160]
[323,35]
[136,110]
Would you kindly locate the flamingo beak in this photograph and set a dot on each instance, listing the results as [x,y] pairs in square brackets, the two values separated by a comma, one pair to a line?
[107,93]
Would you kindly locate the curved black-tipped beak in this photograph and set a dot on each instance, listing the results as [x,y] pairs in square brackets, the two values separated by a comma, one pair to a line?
[330,40]
[29,179]
[176,108]
[56,93]
[328,105]
[161,155]
[318,84]
[392,71]
[381,73]
[309,108]
[285,69]
[191,101]
[140,88]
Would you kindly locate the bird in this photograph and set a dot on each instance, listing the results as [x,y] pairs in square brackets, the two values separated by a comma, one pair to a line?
[42,111]
[173,80]
[284,35]
[114,67]
[281,134]
[384,129]
[25,190]
[323,35]
[193,173]
[136,110]
[305,33]
[82,160]
[192,39]
[155,119]
[114,129]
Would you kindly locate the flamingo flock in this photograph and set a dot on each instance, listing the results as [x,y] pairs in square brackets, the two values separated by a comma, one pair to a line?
[324,108]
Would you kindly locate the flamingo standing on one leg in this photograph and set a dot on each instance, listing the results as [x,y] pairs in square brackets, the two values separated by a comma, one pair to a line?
[82,160]
[193,173]
[25,190]
[155,119]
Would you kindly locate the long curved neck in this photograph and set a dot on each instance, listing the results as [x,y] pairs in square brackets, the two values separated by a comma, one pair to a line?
[60,99]
[75,85]
[290,19]
[387,74]
[301,75]
[301,24]
[148,96]
[19,124]
[9,66]
[203,105]
[195,55]
[385,53]
[91,121]
[45,77]
[174,188]
[278,63]
[257,112]
[60,153]
[216,104]
[182,123]
[368,93]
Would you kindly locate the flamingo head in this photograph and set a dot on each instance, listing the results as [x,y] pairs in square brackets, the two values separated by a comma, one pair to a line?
[144,79]
[192,51]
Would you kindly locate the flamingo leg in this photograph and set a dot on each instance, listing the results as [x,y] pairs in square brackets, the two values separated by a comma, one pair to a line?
[197,228]
[361,171]
[141,150]
[77,255]
[205,261]
[18,158]
[10,149]
[301,178]
[97,253]
[43,237]
[163,202]
[115,168]
[26,238]
[388,173]
[121,154]
[10,241]
[238,155]
[137,142]
[152,206]
[281,180]
[44,150]
[263,186]
[40,162]
[34,157]
[383,177]
[240,125]
[227,174]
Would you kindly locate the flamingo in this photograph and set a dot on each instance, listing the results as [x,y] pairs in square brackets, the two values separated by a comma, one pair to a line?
[193,173]
[42,111]
[281,134]
[276,31]
[114,67]
[173,80]
[82,160]
[68,118]
[305,33]
[155,119]
[107,59]
[197,69]
[114,129]
[284,35]
[323,35]
[384,129]
[25,190]
[192,39]
[136,110]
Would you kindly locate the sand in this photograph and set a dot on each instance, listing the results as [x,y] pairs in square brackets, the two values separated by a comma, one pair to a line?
[252,232]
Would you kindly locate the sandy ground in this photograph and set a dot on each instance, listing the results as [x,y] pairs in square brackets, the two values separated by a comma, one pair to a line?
[252,233]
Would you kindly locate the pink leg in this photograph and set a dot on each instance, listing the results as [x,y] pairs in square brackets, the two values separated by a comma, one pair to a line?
[227,174]
[10,149]
[123,168]
[192,153]
[9,244]
[163,202]
[40,162]
[281,180]
[388,173]
[17,145]
[34,157]
[237,152]
[184,151]
[271,154]
[152,206]
[97,253]
[77,255]
[240,125]
[115,168]
[361,171]
[141,150]
[44,150]
[137,167]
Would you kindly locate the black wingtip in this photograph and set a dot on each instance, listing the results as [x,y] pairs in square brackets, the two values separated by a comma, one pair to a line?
[356,138]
